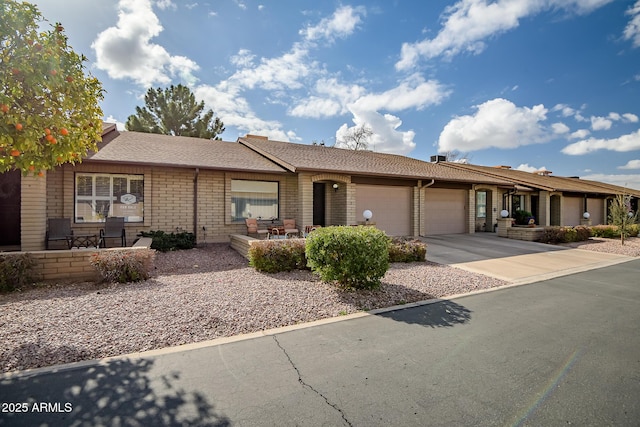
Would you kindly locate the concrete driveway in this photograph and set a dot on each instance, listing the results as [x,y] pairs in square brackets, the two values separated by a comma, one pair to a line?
[515,261]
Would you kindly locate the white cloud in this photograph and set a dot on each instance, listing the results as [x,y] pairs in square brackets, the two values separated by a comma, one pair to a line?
[386,138]
[126,50]
[526,168]
[630,118]
[623,143]
[497,123]
[632,30]
[468,23]
[631,164]
[629,181]
[166,4]
[600,123]
[341,24]
[560,128]
[565,109]
[331,99]
[580,133]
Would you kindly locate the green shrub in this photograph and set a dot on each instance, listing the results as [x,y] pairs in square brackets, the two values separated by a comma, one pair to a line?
[356,257]
[272,256]
[15,271]
[122,266]
[613,232]
[522,217]
[406,250]
[165,242]
[556,235]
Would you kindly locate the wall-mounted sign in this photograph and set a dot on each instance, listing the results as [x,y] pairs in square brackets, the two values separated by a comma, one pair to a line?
[128,199]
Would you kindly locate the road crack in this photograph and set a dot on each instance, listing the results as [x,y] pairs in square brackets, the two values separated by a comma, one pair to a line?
[310,387]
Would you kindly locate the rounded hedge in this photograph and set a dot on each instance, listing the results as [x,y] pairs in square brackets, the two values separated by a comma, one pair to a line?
[356,257]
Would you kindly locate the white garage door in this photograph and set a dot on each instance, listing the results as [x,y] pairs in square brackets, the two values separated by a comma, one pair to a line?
[391,207]
[572,210]
[445,211]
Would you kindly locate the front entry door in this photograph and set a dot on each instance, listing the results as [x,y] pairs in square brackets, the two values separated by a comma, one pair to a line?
[10,208]
[318,203]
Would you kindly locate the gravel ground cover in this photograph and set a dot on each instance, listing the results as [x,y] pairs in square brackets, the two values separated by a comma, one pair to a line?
[202,294]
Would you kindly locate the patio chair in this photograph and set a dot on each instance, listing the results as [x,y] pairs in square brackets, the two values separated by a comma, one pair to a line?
[113,229]
[309,228]
[290,227]
[58,229]
[252,227]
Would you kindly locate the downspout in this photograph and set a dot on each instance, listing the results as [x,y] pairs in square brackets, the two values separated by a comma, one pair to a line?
[433,181]
[195,204]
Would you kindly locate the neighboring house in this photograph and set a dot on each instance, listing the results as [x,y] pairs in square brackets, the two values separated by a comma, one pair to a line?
[553,200]
[160,182]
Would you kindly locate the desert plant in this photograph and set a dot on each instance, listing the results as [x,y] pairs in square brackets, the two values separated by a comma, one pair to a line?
[272,256]
[15,271]
[406,250]
[122,266]
[165,242]
[621,215]
[356,257]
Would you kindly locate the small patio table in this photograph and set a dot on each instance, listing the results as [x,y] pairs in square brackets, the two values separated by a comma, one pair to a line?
[83,240]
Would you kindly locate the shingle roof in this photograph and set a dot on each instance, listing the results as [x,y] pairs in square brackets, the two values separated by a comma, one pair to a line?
[154,149]
[545,182]
[300,157]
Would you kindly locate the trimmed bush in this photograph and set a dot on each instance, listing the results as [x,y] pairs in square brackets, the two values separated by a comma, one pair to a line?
[272,256]
[165,242]
[15,271]
[122,266]
[356,257]
[402,249]
[556,235]
[522,217]
[612,231]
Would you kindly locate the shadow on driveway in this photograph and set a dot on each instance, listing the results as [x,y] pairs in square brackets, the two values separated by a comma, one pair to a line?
[119,392]
[437,315]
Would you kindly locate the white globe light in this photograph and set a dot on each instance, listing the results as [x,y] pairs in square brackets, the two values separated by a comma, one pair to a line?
[367,214]
[586,215]
[504,213]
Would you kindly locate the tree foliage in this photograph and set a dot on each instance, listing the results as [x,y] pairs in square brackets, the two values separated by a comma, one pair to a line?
[622,216]
[357,138]
[49,112]
[174,111]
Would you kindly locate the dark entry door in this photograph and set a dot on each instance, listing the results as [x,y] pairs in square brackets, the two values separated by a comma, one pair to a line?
[10,208]
[318,203]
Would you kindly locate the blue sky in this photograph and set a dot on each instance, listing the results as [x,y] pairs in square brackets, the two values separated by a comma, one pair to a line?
[533,84]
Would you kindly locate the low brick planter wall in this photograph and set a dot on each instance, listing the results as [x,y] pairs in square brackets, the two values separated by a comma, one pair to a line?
[530,234]
[73,264]
[241,244]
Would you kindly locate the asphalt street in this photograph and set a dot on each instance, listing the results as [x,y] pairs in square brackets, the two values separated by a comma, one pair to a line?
[565,351]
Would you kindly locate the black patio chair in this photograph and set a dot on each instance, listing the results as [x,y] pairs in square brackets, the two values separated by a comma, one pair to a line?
[113,229]
[58,229]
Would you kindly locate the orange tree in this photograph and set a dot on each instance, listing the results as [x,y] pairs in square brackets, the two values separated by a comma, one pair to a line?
[49,112]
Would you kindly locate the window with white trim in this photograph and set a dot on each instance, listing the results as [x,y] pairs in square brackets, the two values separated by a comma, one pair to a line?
[253,199]
[481,204]
[98,196]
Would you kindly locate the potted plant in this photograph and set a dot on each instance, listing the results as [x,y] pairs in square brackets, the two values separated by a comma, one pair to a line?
[523,217]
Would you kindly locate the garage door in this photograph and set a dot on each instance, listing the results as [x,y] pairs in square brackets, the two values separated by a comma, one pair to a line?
[445,211]
[572,210]
[391,207]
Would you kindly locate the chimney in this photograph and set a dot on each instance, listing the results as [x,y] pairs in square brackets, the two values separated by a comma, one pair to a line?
[543,172]
[249,136]
[438,159]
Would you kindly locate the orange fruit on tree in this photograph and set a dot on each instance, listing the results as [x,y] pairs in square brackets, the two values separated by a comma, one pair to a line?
[15,153]
[69,79]
[32,168]
[64,132]
[40,174]
[18,126]
[59,159]
[4,108]
[54,72]
[49,137]
[47,131]
[53,141]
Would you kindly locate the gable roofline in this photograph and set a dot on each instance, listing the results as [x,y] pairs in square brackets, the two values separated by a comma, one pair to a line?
[245,141]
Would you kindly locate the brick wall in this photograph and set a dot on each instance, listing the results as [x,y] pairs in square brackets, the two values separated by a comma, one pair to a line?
[33,208]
